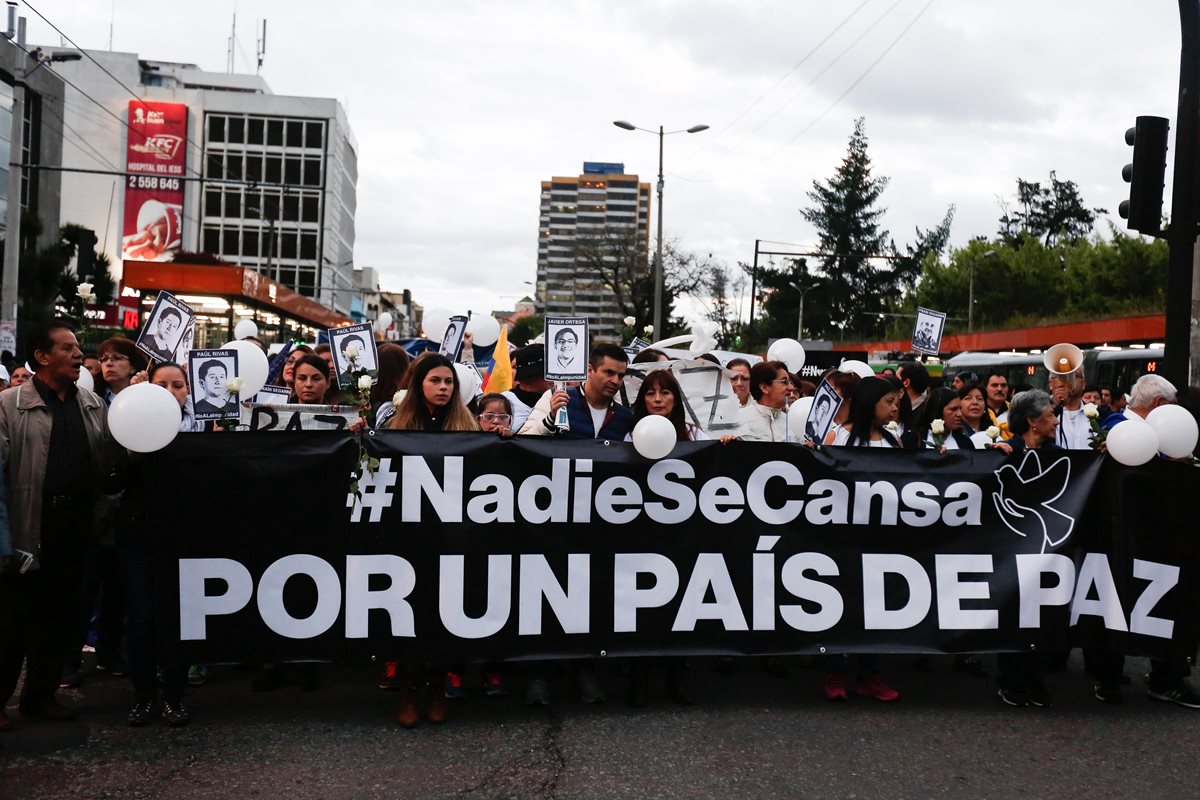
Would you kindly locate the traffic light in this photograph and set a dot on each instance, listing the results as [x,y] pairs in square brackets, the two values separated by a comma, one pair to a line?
[85,259]
[1146,176]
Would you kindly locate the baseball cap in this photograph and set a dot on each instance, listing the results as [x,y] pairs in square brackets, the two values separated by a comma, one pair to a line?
[530,361]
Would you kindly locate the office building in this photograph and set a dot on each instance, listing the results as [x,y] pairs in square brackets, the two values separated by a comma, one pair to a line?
[209,162]
[578,213]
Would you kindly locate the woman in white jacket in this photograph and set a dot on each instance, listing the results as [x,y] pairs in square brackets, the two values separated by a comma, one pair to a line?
[764,417]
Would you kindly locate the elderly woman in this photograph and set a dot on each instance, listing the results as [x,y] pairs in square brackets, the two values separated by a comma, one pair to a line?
[764,417]
[1033,423]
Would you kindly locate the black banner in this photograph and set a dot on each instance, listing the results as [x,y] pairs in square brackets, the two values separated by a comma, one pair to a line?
[466,547]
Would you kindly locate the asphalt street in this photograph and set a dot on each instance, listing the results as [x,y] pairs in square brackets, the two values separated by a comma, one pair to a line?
[748,735]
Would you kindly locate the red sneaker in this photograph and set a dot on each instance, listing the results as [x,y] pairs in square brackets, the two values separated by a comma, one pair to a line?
[875,686]
[454,686]
[389,679]
[835,687]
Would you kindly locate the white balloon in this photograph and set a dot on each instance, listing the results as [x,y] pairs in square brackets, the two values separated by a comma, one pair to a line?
[144,417]
[383,322]
[468,382]
[798,417]
[1132,442]
[484,330]
[253,366]
[981,440]
[789,351]
[435,321]
[245,329]
[654,437]
[859,368]
[85,380]
[1176,429]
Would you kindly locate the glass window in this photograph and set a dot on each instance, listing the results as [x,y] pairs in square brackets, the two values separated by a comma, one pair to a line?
[236,131]
[312,172]
[214,166]
[250,243]
[295,134]
[314,135]
[216,129]
[308,246]
[229,243]
[233,167]
[274,173]
[287,244]
[275,132]
[291,208]
[254,168]
[287,277]
[307,282]
[254,204]
[291,171]
[212,240]
[311,208]
[233,203]
[212,203]
[255,130]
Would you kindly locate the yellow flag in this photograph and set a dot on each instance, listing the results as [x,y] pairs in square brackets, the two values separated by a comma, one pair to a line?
[501,377]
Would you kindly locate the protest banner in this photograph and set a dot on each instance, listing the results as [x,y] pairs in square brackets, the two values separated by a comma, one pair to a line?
[261,416]
[464,547]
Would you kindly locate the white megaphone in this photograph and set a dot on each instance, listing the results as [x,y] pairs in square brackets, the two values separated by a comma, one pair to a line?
[1063,359]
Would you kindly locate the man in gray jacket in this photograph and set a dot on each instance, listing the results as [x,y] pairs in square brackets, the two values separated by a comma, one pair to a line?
[56,448]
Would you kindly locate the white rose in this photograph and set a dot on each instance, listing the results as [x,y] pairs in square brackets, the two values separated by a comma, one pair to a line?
[365,383]
[234,385]
[938,427]
[84,291]
[1090,411]
[648,329]
[629,321]
[352,352]
[993,432]
[398,397]
[892,426]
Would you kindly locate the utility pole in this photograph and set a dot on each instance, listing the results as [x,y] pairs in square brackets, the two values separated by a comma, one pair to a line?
[10,283]
[1181,236]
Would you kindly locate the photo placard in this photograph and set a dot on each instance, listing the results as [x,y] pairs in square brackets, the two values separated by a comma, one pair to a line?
[826,402]
[927,334]
[209,373]
[452,339]
[566,348]
[169,320]
[360,338]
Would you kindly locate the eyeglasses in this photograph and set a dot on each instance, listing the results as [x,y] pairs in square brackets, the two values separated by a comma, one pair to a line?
[491,417]
[113,358]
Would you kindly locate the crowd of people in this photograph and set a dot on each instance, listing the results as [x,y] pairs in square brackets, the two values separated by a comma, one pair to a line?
[77,554]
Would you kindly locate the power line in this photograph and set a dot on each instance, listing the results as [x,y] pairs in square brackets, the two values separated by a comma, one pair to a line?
[712,139]
[860,78]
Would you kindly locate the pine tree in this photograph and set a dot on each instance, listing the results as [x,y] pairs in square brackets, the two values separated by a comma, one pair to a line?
[855,290]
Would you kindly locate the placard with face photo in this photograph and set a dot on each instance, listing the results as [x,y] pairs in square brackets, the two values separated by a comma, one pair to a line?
[366,358]
[452,339]
[210,371]
[163,332]
[826,402]
[927,335]
[566,348]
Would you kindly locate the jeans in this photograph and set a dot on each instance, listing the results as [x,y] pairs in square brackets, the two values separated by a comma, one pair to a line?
[147,649]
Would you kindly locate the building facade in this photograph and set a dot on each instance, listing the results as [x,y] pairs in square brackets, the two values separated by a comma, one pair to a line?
[263,181]
[583,213]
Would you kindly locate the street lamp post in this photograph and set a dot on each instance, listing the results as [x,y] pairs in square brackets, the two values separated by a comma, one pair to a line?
[803,290]
[971,293]
[658,256]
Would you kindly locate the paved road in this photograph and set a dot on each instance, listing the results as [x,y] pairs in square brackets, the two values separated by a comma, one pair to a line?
[750,735]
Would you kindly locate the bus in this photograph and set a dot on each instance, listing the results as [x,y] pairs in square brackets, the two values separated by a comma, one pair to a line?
[1116,368]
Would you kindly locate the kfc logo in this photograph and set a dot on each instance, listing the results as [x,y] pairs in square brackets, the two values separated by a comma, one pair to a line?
[162,146]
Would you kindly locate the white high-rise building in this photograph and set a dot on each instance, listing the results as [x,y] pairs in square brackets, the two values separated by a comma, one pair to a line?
[603,201]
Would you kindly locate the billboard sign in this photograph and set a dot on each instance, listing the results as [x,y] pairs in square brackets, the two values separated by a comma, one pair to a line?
[155,161]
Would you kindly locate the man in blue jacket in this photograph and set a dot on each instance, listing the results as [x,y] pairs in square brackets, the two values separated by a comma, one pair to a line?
[592,410]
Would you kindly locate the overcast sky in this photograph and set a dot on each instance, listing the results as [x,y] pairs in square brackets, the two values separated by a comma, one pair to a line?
[461,108]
